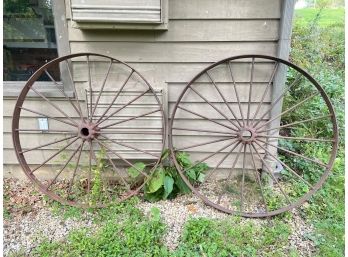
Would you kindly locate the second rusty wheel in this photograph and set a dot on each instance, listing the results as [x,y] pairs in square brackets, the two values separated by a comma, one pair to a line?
[100,135]
[266,129]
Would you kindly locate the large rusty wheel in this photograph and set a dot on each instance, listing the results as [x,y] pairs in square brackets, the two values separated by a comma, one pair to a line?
[268,147]
[102,135]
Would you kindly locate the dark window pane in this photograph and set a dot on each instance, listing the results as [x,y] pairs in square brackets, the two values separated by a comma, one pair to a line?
[29,38]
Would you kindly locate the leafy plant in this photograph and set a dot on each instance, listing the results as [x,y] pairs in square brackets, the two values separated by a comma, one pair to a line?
[165,182]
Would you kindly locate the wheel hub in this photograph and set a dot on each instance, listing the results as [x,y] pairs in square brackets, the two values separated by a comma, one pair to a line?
[247,135]
[88,131]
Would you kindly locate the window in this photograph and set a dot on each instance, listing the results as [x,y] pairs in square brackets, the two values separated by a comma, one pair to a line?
[29,38]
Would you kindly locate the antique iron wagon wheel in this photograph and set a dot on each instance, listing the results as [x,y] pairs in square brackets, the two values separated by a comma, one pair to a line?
[268,146]
[103,131]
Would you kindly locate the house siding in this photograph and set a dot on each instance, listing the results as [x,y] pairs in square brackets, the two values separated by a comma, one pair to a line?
[200,32]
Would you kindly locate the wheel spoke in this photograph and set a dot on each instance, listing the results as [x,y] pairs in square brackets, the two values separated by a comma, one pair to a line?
[203,130]
[65,95]
[286,166]
[250,88]
[54,155]
[243,182]
[53,105]
[102,87]
[299,138]
[209,156]
[47,132]
[265,92]
[214,107]
[230,173]
[50,143]
[48,116]
[132,118]
[115,97]
[205,143]
[117,171]
[206,118]
[294,153]
[257,177]
[236,91]
[124,106]
[222,160]
[75,169]
[66,164]
[280,97]
[295,123]
[288,110]
[224,99]
[75,92]
[90,88]
[129,146]
[119,156]
[269,172]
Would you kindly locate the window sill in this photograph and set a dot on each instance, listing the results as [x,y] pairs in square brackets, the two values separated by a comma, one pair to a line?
[47,88]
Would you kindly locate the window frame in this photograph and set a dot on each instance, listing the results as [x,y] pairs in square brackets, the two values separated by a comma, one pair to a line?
[47,88]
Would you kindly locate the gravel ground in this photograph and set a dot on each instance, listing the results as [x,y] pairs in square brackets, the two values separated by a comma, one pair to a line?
[31,220]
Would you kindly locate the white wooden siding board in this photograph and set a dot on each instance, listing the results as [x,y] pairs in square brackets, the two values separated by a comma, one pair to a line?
[133,125]
[206,110]
[38,157]
[186,30]
[208,91]
[174,52]
[158,73]
[219,9]
[34,140]
[201,124]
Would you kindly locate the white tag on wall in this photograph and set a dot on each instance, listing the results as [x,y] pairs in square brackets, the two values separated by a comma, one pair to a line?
[43,124]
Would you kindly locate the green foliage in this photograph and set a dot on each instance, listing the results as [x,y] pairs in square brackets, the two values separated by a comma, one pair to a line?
[166,182]
[234,237]
[136,170]
[97,184]
[318,46]
[133,235]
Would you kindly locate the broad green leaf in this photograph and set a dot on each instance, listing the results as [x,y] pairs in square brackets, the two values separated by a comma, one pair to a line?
[183,188]
[201,177]
[153,197]
[191,174]
[136,170]
[168,186]
[156,181]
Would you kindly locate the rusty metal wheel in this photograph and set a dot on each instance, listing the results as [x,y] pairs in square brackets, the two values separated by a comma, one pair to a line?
[101,134]
[268,147]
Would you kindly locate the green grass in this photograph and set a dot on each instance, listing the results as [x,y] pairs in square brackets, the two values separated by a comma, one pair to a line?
[328,16]
[318,46]
[127,232]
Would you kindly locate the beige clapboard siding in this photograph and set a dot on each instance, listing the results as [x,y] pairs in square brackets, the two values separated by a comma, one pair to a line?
[38,158]
[211,94]
[186,31]
[32,139]
[157,74]
[209,112]
[174,52]
[224,9]
[199,33]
